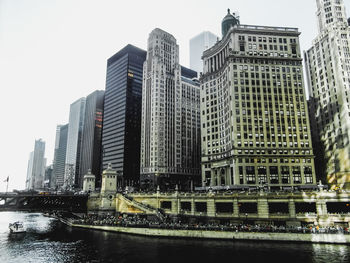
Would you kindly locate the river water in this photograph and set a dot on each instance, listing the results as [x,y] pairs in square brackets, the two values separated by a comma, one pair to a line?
[48,240]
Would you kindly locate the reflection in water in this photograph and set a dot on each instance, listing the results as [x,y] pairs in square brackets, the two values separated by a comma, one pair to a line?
[331,253]
[47,240]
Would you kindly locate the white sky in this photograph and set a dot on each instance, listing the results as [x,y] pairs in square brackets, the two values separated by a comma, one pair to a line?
[53,52]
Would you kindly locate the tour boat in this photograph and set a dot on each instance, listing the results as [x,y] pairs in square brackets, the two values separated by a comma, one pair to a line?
[17,227]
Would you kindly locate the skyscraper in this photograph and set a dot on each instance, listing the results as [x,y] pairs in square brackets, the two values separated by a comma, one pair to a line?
[48,180]
[328,71]
[255,125]
[36,167]
[74,137]
[198,44]
[170,116]
[90,157]
[122,113]
[59,156]
[29,171]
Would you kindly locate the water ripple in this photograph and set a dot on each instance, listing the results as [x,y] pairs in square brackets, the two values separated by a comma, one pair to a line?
[47,240]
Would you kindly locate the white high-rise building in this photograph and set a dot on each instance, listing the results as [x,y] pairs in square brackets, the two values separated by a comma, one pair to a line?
[198,44]
[170,126]
[74,138]
[328,71]
[36,167]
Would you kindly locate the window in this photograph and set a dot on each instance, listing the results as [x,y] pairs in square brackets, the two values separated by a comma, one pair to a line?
[250,174]
[273,174]
[241,47]
[285,174]
[308,175]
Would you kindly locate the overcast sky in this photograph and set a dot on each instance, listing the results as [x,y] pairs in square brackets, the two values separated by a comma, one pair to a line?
[53,52]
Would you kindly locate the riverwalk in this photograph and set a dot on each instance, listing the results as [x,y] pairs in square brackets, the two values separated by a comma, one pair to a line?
[219,234]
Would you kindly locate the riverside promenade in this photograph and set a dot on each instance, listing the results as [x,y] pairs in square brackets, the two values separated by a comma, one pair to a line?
[154,231]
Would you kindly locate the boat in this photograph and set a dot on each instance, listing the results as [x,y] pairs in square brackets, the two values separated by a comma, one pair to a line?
[16,227]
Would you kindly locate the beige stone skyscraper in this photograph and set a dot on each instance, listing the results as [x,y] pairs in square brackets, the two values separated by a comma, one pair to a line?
[170,127]
[328,70]
[254,116]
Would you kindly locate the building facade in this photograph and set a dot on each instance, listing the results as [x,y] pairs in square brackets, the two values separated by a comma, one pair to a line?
[122,114]
[254,116]
[328,73]
[29,171]
[91,150]
[36,167]
[59,156]
[170,125]
[48,180]
[198,44]
[74,138]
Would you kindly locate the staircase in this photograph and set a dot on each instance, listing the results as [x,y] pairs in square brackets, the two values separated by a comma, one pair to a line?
[143,207]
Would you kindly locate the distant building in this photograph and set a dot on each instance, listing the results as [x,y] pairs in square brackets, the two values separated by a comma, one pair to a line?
[29,171]
[122,114]
[198,44]
[48,176]
[90,157]
[36,167]
[59,156]
[170,134]
[74,138]
[328,74]
[255,124]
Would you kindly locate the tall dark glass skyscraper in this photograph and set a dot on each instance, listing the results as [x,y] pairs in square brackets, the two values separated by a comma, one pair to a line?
[122,113]
[60,156]
[90,153]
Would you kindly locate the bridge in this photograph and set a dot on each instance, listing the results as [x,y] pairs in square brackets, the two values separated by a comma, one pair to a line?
[43,202]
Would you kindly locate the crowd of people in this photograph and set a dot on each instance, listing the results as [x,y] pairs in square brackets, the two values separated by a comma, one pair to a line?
[136,221]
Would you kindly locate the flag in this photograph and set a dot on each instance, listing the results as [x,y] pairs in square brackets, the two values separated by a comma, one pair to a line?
[7,179]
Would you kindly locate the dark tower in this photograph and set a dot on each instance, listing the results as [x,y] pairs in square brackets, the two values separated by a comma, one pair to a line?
[121,132]
[228,21]
[90,153]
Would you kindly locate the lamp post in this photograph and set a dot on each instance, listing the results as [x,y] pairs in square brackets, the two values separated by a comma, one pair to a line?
[7,183]
[335,173]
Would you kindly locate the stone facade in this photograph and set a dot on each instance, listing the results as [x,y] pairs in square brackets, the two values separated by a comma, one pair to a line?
[89,182]
[255,124]
[290,208]
[324,208]
[109,180]
[328,71]
[170,124]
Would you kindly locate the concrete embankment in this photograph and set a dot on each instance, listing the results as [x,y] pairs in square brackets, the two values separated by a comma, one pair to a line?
[210,234]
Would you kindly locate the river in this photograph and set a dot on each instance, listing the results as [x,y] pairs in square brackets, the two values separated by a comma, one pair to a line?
[48,240]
